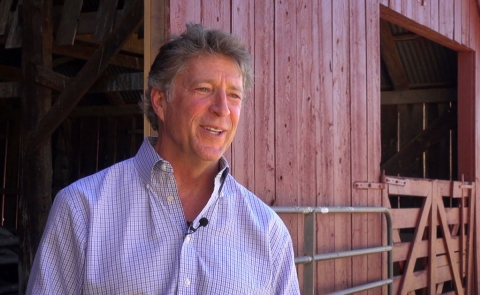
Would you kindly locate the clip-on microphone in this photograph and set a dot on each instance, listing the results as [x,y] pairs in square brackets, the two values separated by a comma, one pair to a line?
[203,222]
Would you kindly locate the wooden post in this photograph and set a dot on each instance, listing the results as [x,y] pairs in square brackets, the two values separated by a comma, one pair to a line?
[36,174]
[156,21]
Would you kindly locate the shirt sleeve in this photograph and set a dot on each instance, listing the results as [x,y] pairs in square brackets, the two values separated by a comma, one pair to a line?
[285,280]
[58,267]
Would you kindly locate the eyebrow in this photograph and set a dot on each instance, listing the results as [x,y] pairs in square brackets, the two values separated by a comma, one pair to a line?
[211,81]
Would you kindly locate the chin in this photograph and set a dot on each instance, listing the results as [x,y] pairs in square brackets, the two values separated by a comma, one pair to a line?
[212,155]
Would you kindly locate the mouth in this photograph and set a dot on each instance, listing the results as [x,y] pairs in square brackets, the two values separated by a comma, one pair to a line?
[214,131]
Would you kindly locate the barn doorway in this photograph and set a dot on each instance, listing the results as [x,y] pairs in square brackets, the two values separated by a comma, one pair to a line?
[419,105]
[427,138]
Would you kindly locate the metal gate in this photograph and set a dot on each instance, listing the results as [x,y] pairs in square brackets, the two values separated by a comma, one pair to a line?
[311,257]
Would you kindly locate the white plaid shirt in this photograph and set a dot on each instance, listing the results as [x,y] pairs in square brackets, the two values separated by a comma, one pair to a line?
[123,231]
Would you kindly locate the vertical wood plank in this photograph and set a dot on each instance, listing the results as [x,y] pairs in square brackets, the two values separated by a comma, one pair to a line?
[287,180]
[306,110]
[342,143]
[446,18]
[432,253]
[375,221]
[155,25]
[264,102]
[243,145]
[434,20]
[36,100]
[475,41]
[306,105]
[4,13]
[324,140]
[182,13]
[11,177]
[216,14]
[383,2]
[359,155]
[67,28]
[471,234]
[105,19]
[457,22]
[396,5]
[421,12]
[14,39]
[465,22]
[466,105]
[407,9]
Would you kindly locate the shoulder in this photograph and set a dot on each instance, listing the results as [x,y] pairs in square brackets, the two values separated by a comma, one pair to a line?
[249,204]
[90,189]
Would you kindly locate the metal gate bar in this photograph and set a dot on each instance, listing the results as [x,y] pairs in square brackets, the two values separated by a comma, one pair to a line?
[310,257]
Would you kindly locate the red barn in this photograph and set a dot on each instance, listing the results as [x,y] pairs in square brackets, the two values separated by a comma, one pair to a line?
[356,103]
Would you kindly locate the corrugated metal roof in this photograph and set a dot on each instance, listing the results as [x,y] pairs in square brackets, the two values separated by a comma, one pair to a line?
[427,64]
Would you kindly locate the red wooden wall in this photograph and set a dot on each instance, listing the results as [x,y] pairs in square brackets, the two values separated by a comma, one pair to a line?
[311,126]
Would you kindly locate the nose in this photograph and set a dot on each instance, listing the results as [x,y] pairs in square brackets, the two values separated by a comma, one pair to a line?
[219,104]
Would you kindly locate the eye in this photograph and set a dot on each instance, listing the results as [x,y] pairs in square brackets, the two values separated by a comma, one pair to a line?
[203,89]
[236,96]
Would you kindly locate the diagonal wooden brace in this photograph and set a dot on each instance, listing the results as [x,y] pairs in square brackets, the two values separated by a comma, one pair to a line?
[87,76]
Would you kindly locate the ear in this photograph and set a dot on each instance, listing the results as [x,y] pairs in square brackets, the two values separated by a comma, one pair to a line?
[159,103]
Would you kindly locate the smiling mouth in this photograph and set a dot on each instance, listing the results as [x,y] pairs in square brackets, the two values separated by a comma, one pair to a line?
[214,131]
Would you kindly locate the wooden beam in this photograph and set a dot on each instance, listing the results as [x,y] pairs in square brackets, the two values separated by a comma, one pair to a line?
[36,171]
[407,23]
[428,137]
[14,39]
[10,89]
[86,77]
[119,82]
[157,15]
[106,83]
[85,52]
[105,19]
[133,45]
[87,21]
[89,111]
[4,12]
[67,29]
[419,96]
[405,37]
[391,58]
[51,79]
[107,111]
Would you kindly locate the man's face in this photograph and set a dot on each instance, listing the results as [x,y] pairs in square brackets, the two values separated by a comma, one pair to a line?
[201,118]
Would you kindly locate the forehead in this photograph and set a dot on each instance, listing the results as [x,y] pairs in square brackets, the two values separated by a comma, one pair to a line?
[211,67]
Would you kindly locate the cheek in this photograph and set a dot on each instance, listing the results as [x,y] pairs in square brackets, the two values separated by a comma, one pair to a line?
[235,113]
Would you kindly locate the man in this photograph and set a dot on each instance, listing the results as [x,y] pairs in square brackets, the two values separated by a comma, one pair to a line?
[172,220]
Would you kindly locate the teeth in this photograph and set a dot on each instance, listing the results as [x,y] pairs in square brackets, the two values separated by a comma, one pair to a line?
[213,130]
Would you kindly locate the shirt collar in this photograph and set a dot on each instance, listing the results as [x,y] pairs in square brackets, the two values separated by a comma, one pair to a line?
[147,158]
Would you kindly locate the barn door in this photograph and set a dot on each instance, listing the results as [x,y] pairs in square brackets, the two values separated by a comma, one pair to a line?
[433,235]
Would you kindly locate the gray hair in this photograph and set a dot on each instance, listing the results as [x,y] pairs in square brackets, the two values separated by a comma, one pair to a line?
[174,55]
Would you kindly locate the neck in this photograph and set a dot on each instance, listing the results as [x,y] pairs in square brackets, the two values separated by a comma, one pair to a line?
[194,190]
[195,181]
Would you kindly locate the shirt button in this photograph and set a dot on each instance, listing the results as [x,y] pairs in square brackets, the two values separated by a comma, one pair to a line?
[187,282]
[163,167]
[170,198]
[188,239]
